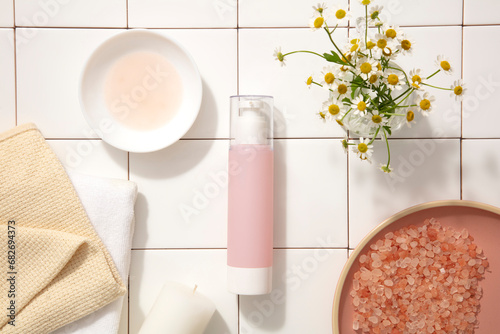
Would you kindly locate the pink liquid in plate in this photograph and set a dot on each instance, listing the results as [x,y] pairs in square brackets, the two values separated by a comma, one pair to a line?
[143,90]
[250,207]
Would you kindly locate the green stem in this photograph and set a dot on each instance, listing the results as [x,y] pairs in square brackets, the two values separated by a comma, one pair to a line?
[437,87]
[366,25]
[391,114]
[388,149]
[335,45]
[433,74]
[348,111]
[374,136]
[303,51]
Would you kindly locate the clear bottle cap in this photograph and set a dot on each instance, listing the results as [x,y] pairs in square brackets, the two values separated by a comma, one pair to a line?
[251,120]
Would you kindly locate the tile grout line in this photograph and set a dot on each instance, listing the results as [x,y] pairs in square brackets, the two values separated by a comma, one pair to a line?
[126,4]
[128,283]
[238,92]
[462,106]
[347,161]
[15,59]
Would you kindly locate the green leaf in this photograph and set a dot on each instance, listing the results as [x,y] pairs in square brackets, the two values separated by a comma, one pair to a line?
[388,130]
[334,58]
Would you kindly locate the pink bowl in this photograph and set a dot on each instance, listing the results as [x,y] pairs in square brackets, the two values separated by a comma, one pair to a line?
[483,223]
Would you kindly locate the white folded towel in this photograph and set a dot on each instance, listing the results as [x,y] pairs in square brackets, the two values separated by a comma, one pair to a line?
[109,204]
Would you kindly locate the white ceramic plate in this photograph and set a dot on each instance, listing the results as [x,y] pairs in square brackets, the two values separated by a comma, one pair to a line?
[91,91]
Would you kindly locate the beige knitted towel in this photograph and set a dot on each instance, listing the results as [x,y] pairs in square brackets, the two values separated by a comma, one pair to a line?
[56,270]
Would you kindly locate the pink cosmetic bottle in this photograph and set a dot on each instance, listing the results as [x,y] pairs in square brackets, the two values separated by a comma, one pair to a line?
[250,203]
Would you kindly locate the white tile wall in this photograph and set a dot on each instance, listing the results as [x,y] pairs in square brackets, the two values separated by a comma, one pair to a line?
[49,63]
[182,14]
[7,80]
[278,13]
[481,114]
[323,197]
[6,13]
[421,13]
[481,170]
[71,13]
[481,12]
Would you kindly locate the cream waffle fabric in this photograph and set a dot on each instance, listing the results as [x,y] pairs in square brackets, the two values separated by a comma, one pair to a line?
[61,270]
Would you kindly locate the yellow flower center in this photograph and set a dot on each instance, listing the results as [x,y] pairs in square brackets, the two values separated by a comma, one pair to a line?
[374,15]
[376,119]
[392,79]
[370,45]
[280,56]
[354,47]
[416,78]
[346,58]
[445,65]
[362,147]
[410,116]
[391,33]
[458,90]
[379,67]
[415,85]
[425,104]
[366,2]
[361,106]
[322,114]
[318,23]
[344,69]
[366,68]
[382,43]
[340,122]
[342,89]
[373,78]
[333,109]
[387,53]
[340,14]
[355,41]
[329,77]
[406,44]
[309,81]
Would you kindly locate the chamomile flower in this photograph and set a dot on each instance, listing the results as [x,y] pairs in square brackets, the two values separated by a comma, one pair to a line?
[359,106]
[416,79]
[340,14]
[341,90]
[394,81]
[393,33]
[364,149]
[279,56]
[329,76]
[385,46]
[317,21]
[373,14]
[377,119]
[320,7]
[322,116]
[309,82]
[385,168]
[410,117]
[333,108]
[365,67]
[458,90]
[353,47]
[425,103]
[365,2]
[405,45]
[443,63]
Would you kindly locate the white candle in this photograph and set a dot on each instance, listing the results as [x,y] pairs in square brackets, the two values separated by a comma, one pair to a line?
[180,310]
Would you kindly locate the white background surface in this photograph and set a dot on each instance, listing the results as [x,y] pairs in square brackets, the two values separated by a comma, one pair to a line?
[325,200]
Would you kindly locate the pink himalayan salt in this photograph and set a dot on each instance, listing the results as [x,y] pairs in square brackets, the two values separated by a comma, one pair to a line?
[419,280]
